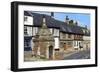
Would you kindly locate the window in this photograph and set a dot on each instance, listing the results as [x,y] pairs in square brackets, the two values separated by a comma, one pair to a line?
[77,36]
[63,35]
[79,43]
[69,35]
[29,31]
[26,43]
[80,36]
[74,36]
[25,18]
[75,43]
[61,44]
[69,43]
[35,30]
[25,30]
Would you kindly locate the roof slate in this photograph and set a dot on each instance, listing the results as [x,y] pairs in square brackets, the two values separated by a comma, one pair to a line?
[53,23]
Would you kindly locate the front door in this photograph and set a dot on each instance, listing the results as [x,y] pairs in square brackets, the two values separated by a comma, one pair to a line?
[50,52]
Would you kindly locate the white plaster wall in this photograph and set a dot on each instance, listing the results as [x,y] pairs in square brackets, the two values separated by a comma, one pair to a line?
[51,30]
[56,32]
[86,37]
[56,39]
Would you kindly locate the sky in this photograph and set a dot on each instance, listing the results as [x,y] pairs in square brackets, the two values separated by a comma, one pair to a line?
[82,18]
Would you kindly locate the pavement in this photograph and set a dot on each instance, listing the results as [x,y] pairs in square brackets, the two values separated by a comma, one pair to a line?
[34,59]
[81,54]
[84,54]
[28,57]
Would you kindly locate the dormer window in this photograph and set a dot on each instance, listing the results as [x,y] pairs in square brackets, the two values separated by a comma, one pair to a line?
[87,31]
[83,30]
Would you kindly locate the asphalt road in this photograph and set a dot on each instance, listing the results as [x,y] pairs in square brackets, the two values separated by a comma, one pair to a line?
[79,55]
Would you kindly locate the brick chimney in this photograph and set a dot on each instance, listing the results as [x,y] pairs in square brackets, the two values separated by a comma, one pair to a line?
[52,14]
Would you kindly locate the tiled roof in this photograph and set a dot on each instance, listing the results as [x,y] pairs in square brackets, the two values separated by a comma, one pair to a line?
[38,21]
[27,13]
[86,31]
[53,23]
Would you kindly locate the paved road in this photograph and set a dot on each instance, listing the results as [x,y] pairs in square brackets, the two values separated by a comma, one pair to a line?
[79,55]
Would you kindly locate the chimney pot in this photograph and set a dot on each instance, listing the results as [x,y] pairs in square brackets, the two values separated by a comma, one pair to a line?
[67,20]
[52,14]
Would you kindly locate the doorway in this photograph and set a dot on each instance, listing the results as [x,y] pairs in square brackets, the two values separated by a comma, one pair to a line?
[50,52]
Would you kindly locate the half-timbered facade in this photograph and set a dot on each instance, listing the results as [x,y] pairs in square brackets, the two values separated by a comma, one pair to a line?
[48,37]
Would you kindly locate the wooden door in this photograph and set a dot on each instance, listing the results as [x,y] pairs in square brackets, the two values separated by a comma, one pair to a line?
[50,52]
